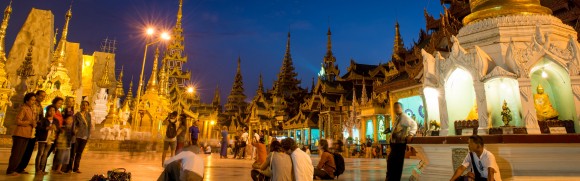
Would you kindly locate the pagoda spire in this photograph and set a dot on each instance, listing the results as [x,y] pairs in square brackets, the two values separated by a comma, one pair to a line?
[152,84]
[363,99]
[179,14]
[3,27]
[329,47]
[238,87]
[398,46]
[260,86]
[25,70]
[130,92]
[59,53]
[105,81]
[119,89]
[216,97]
[287,77]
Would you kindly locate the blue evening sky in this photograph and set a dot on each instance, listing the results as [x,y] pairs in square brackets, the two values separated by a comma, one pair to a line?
[218,31]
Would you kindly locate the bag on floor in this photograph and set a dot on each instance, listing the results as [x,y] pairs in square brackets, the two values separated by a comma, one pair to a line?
[119,174]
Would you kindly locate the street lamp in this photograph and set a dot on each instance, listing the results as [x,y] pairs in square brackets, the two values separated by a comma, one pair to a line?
[162,37]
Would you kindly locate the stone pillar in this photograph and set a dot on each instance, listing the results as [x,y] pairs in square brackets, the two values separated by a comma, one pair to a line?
[375,129]
[443,112]
[575,80]
[529,115]
[484,120]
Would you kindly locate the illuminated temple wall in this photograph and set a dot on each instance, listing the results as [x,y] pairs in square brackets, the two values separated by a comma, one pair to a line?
[93,69]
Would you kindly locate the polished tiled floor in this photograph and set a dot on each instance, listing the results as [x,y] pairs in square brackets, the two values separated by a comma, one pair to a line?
[145,167]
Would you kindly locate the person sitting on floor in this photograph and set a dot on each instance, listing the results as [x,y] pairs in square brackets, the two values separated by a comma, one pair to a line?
[208,149]
[185,166]
[480,162]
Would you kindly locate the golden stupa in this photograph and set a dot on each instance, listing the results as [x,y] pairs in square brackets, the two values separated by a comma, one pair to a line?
[482,9]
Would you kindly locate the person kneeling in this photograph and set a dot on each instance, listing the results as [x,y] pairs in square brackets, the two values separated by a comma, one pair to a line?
[326,166]
[481,162]
[185,166]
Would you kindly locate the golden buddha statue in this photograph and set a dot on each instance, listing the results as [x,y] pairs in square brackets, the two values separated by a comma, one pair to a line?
[483,9]
[506,114]
[544,109]
[473,115]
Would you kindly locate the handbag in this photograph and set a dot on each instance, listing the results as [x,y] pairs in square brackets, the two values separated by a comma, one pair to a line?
[268,171]
[119,174]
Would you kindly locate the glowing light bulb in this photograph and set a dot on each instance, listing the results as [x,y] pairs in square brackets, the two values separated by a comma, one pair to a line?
[544,74]
[150,31]
[165,36]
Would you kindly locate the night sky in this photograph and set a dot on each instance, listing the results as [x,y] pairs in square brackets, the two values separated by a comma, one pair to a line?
[218,31]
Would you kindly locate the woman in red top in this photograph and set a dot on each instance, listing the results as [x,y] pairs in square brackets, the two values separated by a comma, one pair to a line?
[57,102]
[326,166]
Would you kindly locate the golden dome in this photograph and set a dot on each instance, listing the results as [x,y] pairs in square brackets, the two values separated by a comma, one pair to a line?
[482,9]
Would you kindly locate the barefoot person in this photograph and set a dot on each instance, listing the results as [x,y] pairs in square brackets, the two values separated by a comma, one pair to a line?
[45,136]
[25,124]
[480,162]
[82,128]
[404,129]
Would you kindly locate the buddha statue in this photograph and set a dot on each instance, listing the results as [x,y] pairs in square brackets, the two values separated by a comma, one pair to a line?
[544,109]
[473,115]
[506,114]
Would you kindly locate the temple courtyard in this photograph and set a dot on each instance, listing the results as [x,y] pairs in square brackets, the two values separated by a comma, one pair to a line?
[147,166]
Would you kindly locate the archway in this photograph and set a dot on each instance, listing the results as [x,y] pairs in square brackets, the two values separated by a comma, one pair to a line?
[497,91]
[557,87]
[459,95]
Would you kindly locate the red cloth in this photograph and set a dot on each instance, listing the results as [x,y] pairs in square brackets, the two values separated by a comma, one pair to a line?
[58,117]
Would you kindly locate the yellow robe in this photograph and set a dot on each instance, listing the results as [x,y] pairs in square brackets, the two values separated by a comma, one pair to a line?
[544,109]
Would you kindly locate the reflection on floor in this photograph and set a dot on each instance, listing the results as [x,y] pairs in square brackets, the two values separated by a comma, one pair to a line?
[144,167]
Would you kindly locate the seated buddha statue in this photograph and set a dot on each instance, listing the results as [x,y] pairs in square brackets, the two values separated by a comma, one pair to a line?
[473,115]
[544,109]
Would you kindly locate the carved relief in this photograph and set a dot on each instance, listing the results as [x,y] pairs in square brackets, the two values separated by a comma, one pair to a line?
[576,90]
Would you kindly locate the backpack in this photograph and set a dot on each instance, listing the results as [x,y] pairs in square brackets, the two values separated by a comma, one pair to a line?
[171,130]
[339,162]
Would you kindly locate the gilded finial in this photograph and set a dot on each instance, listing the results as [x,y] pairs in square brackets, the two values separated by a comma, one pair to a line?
[483,9]
[105,81]
[152,84]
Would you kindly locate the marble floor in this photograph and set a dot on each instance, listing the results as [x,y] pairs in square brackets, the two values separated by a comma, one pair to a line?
[145,167]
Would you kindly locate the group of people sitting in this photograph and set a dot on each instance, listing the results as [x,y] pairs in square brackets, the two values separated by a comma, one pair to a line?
[287,162]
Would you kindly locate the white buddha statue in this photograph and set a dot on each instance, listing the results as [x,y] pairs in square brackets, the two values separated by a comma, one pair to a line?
[101,109]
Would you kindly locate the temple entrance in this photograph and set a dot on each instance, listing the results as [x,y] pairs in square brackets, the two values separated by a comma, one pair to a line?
[432,105]
[556,99]
[497,91]
[413,107]
[460,97]
[370,129]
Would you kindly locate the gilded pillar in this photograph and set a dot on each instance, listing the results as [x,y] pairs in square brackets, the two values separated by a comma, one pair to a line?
[375,128]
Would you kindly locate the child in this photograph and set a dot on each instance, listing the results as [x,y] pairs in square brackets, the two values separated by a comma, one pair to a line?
[63,143]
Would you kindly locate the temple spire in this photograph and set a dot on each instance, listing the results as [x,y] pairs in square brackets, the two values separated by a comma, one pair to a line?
[236,99]
[260,85]
[238,87]
[3,27]
[364,98]
[329,44]
[59,53]
[105,81]
[398,46]
[152,84]
[130,92]
[287,77]
[119,89]
[216,96]
[179,14]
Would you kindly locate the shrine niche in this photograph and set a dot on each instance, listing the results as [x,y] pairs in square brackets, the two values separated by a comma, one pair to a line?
[553,97]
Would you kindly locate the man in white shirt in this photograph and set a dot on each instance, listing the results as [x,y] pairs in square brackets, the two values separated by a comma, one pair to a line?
[403,130]
[301,162]
[185,166]
[483,166]
[245,136]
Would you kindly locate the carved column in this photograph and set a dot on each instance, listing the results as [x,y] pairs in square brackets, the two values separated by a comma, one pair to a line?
[484,120]
[443,112]
[363,130]
[529,115]
[575,80]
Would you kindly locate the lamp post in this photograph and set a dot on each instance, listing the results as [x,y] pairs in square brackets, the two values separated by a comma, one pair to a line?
[189,91]
[162,37]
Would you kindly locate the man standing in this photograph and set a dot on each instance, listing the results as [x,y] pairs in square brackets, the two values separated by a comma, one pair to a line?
[170,135]
[194,133]
[255,139]
[244,142]
[301,162]
[403,130]
[82,127]
[481,162]
[37,108]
